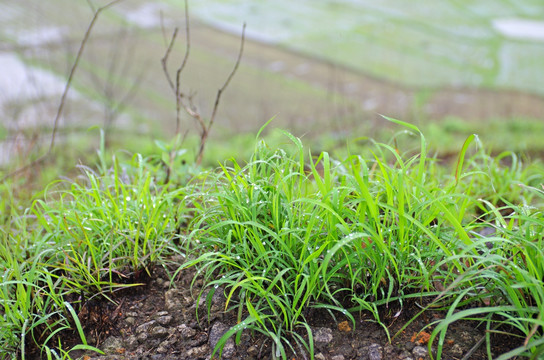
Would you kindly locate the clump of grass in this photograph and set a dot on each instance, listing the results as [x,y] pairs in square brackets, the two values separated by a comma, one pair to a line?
[287,233]
[80,239]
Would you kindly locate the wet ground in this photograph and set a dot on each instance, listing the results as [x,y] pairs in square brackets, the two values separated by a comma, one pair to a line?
[158,321]
[303,92]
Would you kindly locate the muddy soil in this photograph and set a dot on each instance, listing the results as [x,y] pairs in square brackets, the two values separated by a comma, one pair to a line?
[159,321]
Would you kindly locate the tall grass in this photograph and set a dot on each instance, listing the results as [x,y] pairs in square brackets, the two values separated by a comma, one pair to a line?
[285,236]
[81,238]
[287,233]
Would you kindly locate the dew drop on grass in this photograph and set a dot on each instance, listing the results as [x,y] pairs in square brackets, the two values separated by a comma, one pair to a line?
[127,198]
[215,286]
[238,257]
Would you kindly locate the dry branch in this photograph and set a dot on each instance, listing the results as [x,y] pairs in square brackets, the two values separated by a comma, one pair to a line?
[67,87]
[185,101]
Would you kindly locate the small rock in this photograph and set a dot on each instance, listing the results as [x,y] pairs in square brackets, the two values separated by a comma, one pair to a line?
[388,351]
[158,332]
[162,349]
[405,355]
[111,345]
[145,327]
[419,352]
[172,299]
[131,342]
[133,314]
[165,320]
[409,345]
[198,352]
[337,357]
[130,320]
[218,329]
[456,350]
[186,332]
[320,356]
[322,335]
[142,337]
[374,352]
[199,339]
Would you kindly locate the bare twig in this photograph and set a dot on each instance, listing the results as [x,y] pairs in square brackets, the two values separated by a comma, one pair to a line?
[186,101]
[206,129]
[67,87]
[176,86]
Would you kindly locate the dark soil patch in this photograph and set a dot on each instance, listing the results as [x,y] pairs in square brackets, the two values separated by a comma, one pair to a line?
[158,321]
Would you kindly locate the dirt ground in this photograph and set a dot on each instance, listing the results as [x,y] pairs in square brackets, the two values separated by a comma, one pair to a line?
[159,321]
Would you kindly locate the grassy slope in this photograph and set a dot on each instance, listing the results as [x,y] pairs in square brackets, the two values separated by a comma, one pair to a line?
[417,43]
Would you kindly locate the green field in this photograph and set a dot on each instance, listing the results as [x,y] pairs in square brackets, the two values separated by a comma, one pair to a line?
[315,82]
[417,43]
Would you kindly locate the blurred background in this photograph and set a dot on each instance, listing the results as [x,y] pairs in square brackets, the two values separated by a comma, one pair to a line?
[325,69]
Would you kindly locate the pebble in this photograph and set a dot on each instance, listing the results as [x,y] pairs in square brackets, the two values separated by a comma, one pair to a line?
[131,342]
[172,299]
[165,320]
[405,355]
[456,350]
[322,335]
[111,345]
[198,352]
[217,330]
[158,332]
[143,328]
[419,352]
[186,332]
[374,352]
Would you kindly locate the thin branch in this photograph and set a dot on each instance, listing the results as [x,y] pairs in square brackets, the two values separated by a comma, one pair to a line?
[73,70]
[206,129]
[164,60]
[67,87]
[176,88]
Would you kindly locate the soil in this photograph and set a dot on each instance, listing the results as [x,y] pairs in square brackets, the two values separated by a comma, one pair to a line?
[159,321]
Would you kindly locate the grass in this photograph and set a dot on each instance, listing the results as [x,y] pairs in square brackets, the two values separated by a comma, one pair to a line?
[285,234]
[279,237]
[455,41]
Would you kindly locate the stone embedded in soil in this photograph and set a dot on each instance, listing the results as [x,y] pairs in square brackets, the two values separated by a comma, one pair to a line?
[320,356]
[405,355]
[374,352]
[165,320]
[145,327]
[111,345]
[172,299]
[322,335]
[186,332]
[456,350]
[420,352]
[198,352]
[131,342]
[158,332]
[218,329]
